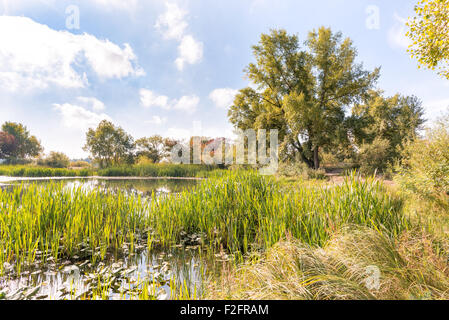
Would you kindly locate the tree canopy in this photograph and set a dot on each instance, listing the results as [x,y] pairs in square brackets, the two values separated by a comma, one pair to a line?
[155,148]
[395,120]
[304,93]
[16,142]
[109,144]
[429,32]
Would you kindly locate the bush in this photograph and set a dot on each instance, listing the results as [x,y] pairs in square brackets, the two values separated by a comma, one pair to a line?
[80,164]
[55,160]
[374,157]
[424,169]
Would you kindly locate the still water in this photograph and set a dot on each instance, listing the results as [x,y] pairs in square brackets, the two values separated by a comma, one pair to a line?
[156,273]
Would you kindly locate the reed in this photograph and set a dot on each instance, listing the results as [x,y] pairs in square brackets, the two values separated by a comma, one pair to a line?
[237,212]
[242,211]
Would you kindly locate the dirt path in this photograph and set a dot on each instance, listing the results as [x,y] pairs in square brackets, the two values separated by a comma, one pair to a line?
[336,178]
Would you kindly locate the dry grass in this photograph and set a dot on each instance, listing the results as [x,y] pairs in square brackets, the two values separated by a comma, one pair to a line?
[414,266]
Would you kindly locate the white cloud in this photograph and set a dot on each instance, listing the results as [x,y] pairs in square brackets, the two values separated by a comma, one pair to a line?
[32,55]
[190,51]
[94,103]
[117,4]
[396,34]
[77,117]
[223,98]
[436,108]
[149,99]
[187,103]
[172,24]
[156,120]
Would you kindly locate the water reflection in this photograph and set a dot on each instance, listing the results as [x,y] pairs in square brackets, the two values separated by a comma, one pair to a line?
[120,278]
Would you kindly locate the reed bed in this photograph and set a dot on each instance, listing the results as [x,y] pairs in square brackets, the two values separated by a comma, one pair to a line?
[142,170]
[156,170]
[242,211]
[53,221]
[35,172]
[237,212]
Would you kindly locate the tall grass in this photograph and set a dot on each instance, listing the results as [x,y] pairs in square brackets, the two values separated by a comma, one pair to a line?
[59,222]
[239,212]
[242,211]
[31,171]
[407,267]
[143,170]
[156,170]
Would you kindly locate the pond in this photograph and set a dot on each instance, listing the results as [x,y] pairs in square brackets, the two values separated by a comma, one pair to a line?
[140,275]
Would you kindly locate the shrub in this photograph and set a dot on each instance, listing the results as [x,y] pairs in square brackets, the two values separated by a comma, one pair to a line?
[55,160]
[425,167]
[373,157]
[79,164]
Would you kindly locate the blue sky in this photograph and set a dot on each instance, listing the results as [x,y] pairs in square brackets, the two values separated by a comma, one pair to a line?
[171,67]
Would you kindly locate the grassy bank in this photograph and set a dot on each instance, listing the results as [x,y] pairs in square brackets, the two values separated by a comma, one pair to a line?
[37,172]
[156,170]
[243,211]
[239,211]
[356,264]
[147,170]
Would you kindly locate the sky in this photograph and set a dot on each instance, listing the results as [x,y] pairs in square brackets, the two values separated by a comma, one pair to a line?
[173,67]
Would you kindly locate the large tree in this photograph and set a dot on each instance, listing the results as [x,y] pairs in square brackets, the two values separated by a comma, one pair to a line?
[26,145]
[154,148]
[109,144]
[429,32]
[304,93]
[396,120]
[8,145]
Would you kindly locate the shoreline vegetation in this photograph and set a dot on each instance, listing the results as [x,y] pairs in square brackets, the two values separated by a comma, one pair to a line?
[256,234]
[137,171]
[358,210]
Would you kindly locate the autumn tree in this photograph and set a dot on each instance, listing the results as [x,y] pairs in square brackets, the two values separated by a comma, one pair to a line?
[26,145]
[8,145]
[304,93]
[154,148]
[429,32]
[109,144]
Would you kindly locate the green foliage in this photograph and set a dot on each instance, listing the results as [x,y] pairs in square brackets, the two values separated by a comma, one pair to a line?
[155,170]
[372,157]
[154,148]
[241,210]
[386,122]
[79,164]
[59,221]
[425,168]
[109,145]
[301,170]
[429,32]
[23,145]
[42,172]
[55,160]
[303,93]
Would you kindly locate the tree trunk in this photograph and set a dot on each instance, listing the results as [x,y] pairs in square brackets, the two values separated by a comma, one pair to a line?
[307,161]
[316,158]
